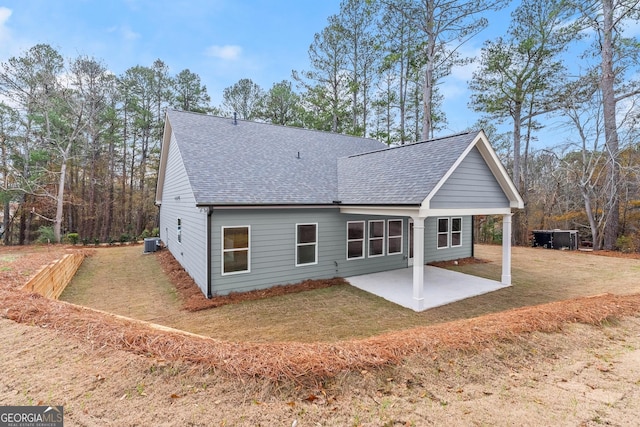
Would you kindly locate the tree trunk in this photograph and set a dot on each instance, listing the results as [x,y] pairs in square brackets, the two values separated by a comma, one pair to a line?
[518,236]
[23,225]
[595,235]
[6,201]
[108,203]
[57,223]
[427,90]
[610,130]
[6,222]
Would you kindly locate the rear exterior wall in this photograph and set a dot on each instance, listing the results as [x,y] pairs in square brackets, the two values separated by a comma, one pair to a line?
[273,247]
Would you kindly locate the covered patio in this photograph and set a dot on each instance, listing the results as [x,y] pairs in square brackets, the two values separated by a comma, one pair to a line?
[440,286]
[458,176]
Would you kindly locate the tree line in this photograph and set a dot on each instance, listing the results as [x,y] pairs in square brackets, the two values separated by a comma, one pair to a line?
[80,145]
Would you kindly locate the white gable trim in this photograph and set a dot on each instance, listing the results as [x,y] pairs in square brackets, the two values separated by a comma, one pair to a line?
[164,156]
[494,163]
[498,171]
[420,211]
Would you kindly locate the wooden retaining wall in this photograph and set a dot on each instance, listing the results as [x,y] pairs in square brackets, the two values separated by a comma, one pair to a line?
[51,280]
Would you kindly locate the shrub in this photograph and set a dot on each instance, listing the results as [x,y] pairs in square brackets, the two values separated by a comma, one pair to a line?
[625,244]
[124,238]
[73,238]
[45,234]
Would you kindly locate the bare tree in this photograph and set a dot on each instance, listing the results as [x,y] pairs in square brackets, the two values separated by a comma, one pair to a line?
[445,26]
[608,19]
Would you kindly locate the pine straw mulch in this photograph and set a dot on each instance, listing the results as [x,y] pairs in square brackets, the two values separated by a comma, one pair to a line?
[19,263]
[307,361]
[614,254]
[194,300]
[460,261]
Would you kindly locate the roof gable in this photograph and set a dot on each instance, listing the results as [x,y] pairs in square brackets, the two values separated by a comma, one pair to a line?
[256,163]
[413,174]
[471,185]
[402,175]
[481,143]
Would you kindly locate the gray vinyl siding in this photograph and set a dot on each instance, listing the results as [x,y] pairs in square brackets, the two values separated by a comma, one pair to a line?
[178,201]
[471,185]
[272,248]
[431,251]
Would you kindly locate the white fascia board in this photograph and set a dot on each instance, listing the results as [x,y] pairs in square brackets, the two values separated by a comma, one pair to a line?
[492,160]
[381,210]
[164,155]
[494,164]
[464,212]
[420,212]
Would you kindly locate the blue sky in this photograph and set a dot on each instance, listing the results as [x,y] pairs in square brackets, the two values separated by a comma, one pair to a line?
[221,40]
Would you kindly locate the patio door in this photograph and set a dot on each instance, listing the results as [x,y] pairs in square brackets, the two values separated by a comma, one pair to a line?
[410,251]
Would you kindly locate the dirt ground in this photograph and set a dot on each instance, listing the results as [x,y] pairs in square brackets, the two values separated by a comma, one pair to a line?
[580,375]
[19,263]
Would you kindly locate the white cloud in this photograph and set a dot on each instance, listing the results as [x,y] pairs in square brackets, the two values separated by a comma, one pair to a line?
[128,34]
[5,13]
[465,72]
[226,52]
[454,86]
[125,32]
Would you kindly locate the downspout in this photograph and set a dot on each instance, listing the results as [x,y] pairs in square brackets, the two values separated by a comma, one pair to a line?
[473,236]
[209,275]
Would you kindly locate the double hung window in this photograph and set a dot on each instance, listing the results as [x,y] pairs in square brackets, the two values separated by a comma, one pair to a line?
[306,244]
[376,238]
[355,239]
[394,236]
[449,232]
[456,232]
[443,233]
[236,256]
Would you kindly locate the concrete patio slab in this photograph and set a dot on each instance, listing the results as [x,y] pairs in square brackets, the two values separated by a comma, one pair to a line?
[440,286]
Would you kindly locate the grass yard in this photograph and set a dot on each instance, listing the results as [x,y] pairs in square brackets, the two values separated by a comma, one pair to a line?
[125,281]
[572,362]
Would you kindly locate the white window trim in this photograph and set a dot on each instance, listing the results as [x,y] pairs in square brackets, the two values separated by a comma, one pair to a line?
[364,231]
[390,236]
[458,232]
[383,238]
[179,230]
[439,233]
[248,249]
[306,244]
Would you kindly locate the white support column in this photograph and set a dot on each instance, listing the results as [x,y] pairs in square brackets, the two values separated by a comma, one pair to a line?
[506,249]
[418,263]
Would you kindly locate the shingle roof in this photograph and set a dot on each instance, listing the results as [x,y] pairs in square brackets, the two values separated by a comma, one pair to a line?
[257,163]
[403,175]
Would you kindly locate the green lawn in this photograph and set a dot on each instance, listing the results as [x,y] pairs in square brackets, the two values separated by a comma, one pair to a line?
[125,281]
